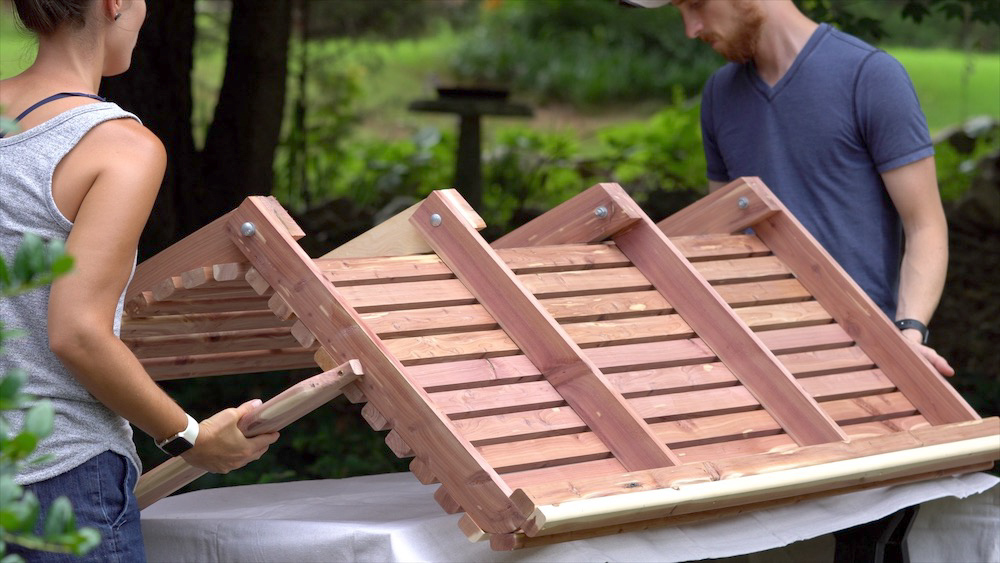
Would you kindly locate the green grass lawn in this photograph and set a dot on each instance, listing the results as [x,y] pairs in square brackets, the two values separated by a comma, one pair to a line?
[17,49]
[952,86]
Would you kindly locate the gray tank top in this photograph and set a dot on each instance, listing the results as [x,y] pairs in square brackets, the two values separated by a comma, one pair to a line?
[84,427]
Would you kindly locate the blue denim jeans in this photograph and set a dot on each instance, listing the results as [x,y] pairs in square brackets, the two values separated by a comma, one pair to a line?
[102,493]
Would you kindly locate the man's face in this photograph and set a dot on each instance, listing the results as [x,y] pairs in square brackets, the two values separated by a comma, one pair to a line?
[731,27]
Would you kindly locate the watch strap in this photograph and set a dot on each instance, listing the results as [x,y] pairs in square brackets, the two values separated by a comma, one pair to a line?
[182,441]
[903,324]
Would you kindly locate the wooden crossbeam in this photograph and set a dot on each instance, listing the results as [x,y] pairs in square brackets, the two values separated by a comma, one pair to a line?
[854,310]
[537,334]
[731,209]
[592,216]
[339,331]
[725,333]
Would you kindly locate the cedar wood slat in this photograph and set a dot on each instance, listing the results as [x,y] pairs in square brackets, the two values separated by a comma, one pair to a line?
[853,309]
[476,343]
[538,335]
[558,449]
[536,419]
[831,345]
[674,277]
[224,363]
[653,253]
[415,294]
[295,277]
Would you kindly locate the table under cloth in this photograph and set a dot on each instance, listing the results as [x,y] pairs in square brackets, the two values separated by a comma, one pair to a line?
[393,517]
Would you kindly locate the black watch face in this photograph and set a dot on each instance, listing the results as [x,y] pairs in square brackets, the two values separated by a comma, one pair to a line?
[177,446]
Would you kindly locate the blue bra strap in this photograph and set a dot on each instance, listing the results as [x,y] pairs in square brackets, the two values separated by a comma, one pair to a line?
[55,97]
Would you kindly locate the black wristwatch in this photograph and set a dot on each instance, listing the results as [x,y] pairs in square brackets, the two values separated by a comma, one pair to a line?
[183,440]
[903,324]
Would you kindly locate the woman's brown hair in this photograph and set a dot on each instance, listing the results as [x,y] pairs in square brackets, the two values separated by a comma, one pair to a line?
[45,16]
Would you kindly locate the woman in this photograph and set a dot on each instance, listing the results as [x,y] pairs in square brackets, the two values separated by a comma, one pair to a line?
[84,170]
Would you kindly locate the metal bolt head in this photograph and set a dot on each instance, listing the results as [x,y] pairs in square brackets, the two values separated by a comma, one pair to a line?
[601,212]
[248,229]
[743,203]
[435,220]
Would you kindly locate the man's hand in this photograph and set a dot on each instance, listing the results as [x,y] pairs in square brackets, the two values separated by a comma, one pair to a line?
[222,447]
[944,368]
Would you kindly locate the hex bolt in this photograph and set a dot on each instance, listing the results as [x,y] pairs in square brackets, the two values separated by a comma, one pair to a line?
[248,229]
[743,203]
[435,220]
[601,212]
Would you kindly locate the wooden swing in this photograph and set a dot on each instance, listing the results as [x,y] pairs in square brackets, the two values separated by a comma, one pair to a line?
[590,373]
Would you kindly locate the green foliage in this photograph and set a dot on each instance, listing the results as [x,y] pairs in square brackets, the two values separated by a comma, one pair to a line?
[319,115]
[35,264]
[527,171]
[662,154]
[391,19]
[955,170]
[584,52]
[925,23]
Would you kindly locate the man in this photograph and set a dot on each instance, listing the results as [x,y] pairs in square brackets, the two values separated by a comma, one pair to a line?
[833,126]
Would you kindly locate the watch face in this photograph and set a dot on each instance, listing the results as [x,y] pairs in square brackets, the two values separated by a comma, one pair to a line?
[177,446]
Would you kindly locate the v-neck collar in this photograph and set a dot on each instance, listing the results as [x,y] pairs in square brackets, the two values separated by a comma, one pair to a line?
[771,92]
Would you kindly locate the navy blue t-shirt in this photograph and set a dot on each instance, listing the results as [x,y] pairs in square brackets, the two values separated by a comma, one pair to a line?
[843,113]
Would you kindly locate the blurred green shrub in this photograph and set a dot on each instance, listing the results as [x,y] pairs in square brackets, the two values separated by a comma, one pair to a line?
[35,264]
[583,52]
[662,154]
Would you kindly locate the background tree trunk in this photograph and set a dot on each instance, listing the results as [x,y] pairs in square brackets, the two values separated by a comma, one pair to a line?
[157,88]
[239,147]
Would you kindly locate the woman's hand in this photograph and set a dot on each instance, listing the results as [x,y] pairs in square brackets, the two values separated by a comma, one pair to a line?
[222,447]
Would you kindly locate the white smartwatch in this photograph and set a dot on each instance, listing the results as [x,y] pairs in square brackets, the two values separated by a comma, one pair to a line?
[182,441]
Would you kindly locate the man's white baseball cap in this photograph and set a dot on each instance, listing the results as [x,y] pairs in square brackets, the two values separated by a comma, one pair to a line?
[648,3]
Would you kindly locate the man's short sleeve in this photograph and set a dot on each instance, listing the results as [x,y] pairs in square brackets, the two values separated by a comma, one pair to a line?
[715,166]
[888,114]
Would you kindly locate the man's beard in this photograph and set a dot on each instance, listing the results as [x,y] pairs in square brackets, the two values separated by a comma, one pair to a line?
[742,46]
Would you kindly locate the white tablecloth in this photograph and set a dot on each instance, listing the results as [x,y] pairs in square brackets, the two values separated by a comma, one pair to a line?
[395,518]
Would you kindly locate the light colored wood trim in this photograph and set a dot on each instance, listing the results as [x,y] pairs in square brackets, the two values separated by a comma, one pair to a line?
[725,333]
[734,468]
[340,331]
[632,507]
[277,413]
[393,237]
[858,314]
[508,542]
[721,212]
[542,339]
[574,221]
